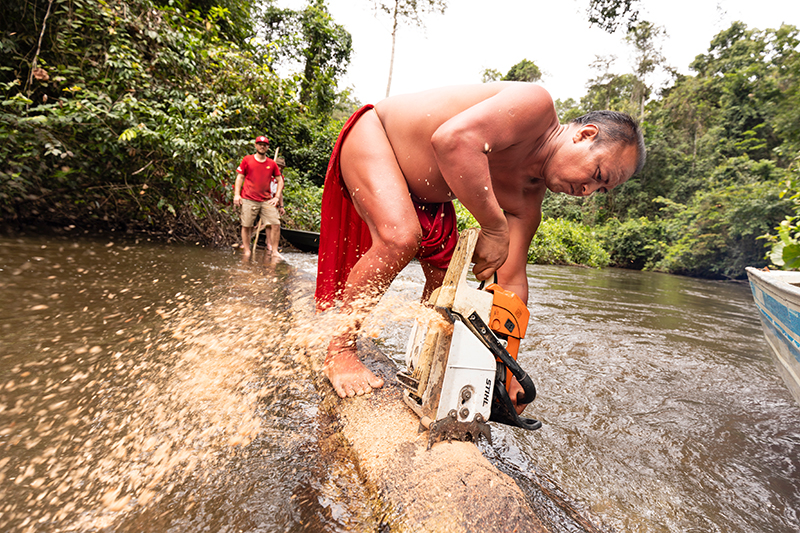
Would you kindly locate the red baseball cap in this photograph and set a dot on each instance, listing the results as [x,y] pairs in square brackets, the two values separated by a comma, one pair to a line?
[262,139]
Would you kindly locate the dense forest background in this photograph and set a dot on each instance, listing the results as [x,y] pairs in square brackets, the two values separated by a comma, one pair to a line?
[134,115]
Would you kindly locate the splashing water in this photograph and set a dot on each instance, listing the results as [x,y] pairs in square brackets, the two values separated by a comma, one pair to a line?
[128,397]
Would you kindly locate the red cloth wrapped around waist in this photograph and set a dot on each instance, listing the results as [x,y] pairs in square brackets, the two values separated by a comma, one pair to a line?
[345,237]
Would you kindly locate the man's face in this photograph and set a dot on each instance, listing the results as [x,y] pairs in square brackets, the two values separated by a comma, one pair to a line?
[582,167]
[261,148]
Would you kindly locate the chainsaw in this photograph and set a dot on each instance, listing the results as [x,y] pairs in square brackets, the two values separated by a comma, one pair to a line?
[459,369]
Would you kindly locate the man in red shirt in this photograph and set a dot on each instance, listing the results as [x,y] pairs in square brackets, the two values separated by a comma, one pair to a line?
[253,192]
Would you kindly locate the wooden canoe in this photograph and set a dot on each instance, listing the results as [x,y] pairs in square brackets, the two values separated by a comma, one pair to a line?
[305,241]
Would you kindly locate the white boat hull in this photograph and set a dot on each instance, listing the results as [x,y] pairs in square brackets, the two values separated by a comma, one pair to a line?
[777,297]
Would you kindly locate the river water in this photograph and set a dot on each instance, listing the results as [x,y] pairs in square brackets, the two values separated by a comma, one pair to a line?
[160,388]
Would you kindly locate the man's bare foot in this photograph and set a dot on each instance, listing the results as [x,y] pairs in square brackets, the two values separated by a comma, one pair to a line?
[347,374]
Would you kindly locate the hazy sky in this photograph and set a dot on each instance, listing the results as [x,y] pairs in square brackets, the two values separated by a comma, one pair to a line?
[472,35]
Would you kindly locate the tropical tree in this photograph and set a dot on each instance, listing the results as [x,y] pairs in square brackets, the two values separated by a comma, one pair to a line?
[526,70]
[136,114]
[609,14]
[406,10]
[232,17]
[489,75]
[310,41]
[608,90]
[326,54]
[644,38]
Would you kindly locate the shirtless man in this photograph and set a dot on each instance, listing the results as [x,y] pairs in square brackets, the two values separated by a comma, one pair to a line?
[497,148]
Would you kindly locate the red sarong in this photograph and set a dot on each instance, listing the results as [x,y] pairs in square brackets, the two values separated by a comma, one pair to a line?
[345,237]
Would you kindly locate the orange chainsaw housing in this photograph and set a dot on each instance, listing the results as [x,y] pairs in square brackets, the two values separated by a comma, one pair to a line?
[508,319]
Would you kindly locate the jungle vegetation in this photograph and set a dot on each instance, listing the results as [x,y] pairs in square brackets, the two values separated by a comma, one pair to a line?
[134,114]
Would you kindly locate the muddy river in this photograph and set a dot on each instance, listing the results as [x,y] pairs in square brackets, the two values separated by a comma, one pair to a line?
[167,388]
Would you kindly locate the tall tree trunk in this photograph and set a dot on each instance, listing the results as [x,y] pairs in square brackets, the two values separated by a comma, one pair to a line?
[39,46]
[394,39]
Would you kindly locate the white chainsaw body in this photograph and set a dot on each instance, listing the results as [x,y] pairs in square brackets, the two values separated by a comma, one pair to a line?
[468,378]
[450,373]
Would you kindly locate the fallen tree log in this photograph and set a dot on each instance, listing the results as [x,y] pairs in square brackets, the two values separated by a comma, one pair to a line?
[450,488]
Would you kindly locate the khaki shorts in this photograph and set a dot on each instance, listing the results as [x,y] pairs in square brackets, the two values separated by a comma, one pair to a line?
[251,210]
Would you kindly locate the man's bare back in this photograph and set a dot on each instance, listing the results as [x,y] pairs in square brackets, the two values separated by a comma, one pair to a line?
[410,122]
[495,147]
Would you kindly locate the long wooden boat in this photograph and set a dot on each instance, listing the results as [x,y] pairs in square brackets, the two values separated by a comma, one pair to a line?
[305,241]
[777,296]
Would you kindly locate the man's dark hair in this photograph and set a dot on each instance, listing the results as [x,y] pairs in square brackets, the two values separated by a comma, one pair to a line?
[616,127]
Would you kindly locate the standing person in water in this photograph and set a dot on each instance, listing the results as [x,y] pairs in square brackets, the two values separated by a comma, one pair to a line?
[397,166]
[253,192]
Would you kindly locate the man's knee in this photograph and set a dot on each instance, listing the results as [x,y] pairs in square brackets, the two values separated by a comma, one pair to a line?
[401,239]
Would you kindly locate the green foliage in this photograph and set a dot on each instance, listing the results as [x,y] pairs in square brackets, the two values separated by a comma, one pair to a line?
[610,91]
[302,200]
[718,142]
[232,17]
[311,39]
[715,236]
[562,242]
[568,109]
[637,243]
[139,113]
[464,218]
[489,75]
[609,14]
[644,37]
[310,145]
[785,44]
[325,55]
[116,132]
[525,70]
[785,243]
[785,246]
[563,206]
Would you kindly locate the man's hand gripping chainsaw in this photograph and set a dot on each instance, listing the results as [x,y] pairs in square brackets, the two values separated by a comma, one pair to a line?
[460,368]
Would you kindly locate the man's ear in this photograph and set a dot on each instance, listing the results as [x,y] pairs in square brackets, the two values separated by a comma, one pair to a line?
[587,132]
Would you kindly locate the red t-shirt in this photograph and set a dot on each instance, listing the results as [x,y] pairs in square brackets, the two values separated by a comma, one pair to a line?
[258,177]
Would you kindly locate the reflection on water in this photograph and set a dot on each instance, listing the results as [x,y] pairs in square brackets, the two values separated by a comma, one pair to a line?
[146,387]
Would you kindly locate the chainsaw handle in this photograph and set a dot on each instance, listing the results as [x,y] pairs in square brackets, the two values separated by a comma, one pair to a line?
[493,280]
[527,386]
[524,379]
[490,341]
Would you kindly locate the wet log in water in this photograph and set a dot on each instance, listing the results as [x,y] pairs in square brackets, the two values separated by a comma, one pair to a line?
[450,488]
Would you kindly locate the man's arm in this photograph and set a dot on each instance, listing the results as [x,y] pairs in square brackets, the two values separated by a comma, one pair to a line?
[520,114]
[513,276]
[237,189]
